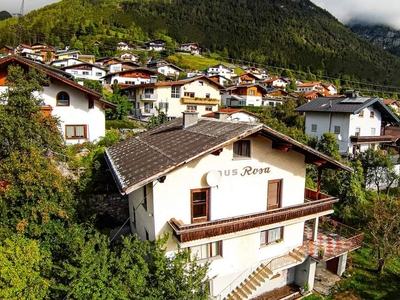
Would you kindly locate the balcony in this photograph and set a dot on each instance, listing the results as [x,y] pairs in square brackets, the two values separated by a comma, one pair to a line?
[333,237]
[315,203]
[198,100]
[371,139]
[148,97]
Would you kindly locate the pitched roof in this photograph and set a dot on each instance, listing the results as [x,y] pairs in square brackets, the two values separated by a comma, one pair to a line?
[139,160]
[348,105]
[231,111]
[308,84]
[178,82]
[55,74]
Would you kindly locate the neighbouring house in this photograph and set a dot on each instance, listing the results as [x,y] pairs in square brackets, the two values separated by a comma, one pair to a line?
[357,122]
[244,95]
[156,45]
[233,114]
[220,69]
[246,78]
[310,87]
[393,104]
[193,48]
[132,76]
[46,52]
[81,111]
[67,53]
[165,68]
[23,49]
[86,71]
[233,194]
[105,61]
[172,97]
[87,58]
[121,46]
[66,62]
[217,78]
[6,50]
[329,88]
[129,56]
[276,82]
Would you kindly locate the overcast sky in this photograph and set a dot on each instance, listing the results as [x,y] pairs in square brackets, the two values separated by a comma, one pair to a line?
[13,6]
[371,11]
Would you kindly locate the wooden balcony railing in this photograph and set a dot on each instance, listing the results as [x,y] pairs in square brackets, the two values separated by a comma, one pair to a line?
[190,232]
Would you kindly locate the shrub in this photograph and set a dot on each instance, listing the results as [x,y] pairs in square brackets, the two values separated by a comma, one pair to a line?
[116,124]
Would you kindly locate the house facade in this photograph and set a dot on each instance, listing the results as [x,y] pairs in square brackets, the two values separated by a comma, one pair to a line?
[81,111]
[221,70]
[156,45]
[233,114]
[244,95]
[276,82]
[132,76]
[86,71]
[357,122]
[241,202]
[172,97]
[193,48]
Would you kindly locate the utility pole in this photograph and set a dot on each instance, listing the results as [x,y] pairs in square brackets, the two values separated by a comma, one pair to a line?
[19,26]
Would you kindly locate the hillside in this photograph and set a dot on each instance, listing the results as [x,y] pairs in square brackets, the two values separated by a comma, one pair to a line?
[292,34]
[381,35]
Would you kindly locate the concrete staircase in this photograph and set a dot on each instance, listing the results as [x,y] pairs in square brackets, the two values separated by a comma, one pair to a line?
[264,272]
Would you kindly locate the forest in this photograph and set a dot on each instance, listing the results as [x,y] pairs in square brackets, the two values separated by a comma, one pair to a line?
[287,34]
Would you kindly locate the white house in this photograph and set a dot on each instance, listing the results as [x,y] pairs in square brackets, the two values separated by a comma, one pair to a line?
[233,194]
[193,48]
[132,76]
[172,97]
[165,68]
[122,46]
[357,122]
[81,110]
[86,71]
[221,70]
[233,114]
[244,95]
[276,82]
[156,45]
[66,62]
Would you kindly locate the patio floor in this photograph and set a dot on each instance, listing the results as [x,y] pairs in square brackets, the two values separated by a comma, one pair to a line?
[333,243]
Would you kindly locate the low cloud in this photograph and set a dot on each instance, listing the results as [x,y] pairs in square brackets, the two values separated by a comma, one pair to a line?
[368,11]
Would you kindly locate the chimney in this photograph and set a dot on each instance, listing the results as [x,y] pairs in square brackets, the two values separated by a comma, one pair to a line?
[221,115]
[190,118]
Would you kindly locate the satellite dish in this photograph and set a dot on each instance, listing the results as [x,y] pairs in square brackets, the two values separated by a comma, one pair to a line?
[213,178]
[339,137]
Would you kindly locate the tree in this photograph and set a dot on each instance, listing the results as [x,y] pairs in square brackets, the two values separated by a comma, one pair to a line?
[23,125]
[123,106]
[156,120]
[329,146]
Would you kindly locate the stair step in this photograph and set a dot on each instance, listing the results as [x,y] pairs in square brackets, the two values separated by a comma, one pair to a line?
[259,278]
[241,293]
[249,284]
[295,256]
[244,288]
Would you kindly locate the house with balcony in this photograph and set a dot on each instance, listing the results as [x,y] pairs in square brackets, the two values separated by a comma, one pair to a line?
[244,95]
[86,71]
[81,111]
[233,194]
[67,53]
[172,97]
[165,68]
[276,82]
[192,48]
[65,62]
[156,45]
[246,78]
[221,70]
[131,76]
[357,122]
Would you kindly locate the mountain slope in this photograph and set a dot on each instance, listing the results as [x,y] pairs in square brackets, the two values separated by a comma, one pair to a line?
[381,35]
[292,34]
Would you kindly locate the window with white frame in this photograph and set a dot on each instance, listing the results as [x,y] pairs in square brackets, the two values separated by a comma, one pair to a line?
[85,72]
[175,91]
[271,236]
[313,127]
[358,130]
[209,107]
[336,129]
[191,107]
[189,94]
[241,149]
[206,251]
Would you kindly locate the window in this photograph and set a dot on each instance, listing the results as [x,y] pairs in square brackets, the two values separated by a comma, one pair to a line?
[358,131]
[200,205]
[372,114]
[189,94]
[313,127]
[207,250]
[208,95]
[241,149]
[251,92]
[336,129]
[62,99]
[75,131]
[163,105]
[90,103]
[209,108]
[144,201]
[201,83]
[361,114]
[271,236]
[175,91]
[373,131]
[85,73]
[191,107]
[99,74]
[274,194]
